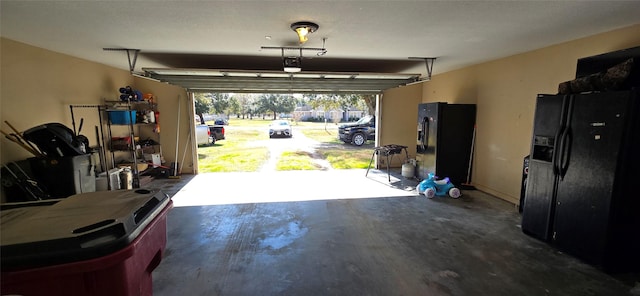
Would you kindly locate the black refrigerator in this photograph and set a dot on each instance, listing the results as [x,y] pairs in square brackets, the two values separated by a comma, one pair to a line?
[582,194]
[445,140]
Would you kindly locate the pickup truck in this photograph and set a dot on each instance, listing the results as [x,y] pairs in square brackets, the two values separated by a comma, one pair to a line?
[359,132]
[209,134]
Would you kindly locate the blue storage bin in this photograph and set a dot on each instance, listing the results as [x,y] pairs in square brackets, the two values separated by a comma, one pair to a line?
[122,116]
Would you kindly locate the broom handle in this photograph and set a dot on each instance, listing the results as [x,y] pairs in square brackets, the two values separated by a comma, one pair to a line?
[175,167]
[19,136]
[473,142]
[15,139]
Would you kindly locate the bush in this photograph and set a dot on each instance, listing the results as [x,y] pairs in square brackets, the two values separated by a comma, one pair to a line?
[314,119]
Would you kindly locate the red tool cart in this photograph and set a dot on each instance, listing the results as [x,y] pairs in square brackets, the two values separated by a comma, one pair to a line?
[98,243]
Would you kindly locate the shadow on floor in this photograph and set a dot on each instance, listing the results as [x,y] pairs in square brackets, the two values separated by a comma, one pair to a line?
[357,241]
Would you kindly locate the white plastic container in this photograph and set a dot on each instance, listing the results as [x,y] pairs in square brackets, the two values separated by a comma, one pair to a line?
[408,170]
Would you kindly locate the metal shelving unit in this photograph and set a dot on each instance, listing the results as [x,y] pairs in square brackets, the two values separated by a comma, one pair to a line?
[134,128]
[111,106]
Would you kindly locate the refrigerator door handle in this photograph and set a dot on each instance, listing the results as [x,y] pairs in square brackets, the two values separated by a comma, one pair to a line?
[425,133]
[558,145]
[566,149]
[557,148]
[565,142]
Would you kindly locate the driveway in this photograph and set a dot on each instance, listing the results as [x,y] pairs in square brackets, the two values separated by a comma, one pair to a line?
[299,142]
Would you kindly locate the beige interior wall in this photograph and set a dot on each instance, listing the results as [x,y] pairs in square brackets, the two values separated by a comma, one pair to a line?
[38,86]
[505,91]
[399,108]
[457,87]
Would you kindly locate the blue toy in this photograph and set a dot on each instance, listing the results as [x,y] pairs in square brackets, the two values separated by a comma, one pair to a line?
[431,187]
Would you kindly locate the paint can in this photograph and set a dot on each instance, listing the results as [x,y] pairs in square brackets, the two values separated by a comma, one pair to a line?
[126,178]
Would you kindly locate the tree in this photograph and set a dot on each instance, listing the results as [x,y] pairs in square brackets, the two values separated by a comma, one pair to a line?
[234,106]
[245,104]
[276,103]
[336,117]
[325,102]
[370,101]
[253,108]
[343,102]
[219,102]
[297,116]
[202,105]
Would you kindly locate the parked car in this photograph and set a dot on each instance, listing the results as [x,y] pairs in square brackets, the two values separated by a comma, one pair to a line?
[209,134]
[221,121]
[203,135]
[280,128]
[359,132]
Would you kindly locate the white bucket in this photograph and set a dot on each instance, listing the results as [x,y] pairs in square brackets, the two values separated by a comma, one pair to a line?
[408,170]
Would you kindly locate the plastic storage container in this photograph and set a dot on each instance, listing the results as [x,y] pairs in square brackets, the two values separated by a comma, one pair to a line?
[100,243]
[65,176]
[122,116]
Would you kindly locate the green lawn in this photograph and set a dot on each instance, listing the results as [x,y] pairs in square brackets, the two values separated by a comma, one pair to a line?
[321,135]
[241,151]
[240,160]
[296,160]
[347,158]
[234,154]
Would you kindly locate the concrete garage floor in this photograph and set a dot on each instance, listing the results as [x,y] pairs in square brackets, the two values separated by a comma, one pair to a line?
[372,238]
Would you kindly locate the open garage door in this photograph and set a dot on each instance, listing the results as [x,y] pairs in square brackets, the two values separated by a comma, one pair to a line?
[211,80]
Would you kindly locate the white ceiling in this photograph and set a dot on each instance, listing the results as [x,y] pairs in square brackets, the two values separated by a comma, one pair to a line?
[362,36]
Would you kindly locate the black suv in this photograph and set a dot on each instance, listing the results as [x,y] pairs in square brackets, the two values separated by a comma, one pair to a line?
[359,132]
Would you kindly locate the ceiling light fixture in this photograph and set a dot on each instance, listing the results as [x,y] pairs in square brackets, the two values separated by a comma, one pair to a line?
[303,29]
